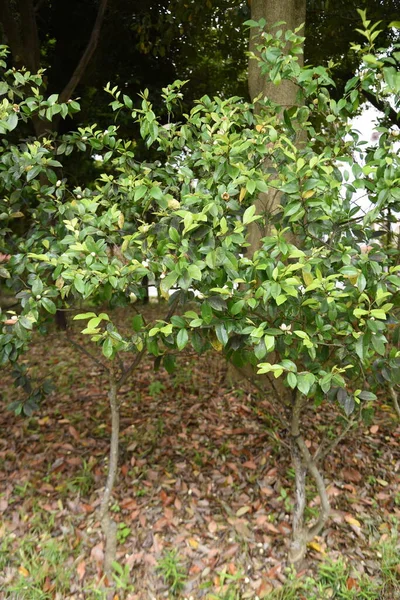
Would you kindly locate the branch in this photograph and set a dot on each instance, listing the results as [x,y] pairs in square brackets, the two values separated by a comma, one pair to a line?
[321,454]
[310,466]
[84,351]
[383,107]
[86,56]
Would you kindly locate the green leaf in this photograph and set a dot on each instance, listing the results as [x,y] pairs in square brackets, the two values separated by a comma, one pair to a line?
[140,192]
[137,323]
[33,172]
[83,316]
[236,308]
[281,299]
[269,341]
[378,313]
[249,214]
[108,348]
[168,281]
[305,381]
[368,396]
[49,305]
[221,333]
[79,284]
[174,235]
[206,313]
[194,272]
[292,380]
[182,339]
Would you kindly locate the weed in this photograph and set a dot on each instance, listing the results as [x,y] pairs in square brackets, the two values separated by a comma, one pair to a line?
[122,577]
[172,571]
[123,532]
[155,388]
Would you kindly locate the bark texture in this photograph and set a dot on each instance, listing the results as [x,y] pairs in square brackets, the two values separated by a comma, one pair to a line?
[293,13]
[304,464]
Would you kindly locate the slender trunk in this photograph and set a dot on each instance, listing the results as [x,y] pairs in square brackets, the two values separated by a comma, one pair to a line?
[304,463]
[108,524]
[395,400]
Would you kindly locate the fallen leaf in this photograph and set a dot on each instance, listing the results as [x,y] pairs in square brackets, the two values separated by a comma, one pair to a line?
[249,464]
[212,527]
[243,510]
[81,570]
[351,583]
[24,572]
[352,521]
[317,547]
[351,474]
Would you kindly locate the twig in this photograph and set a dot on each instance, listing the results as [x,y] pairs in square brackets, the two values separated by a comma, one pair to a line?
[321,454]
[84,351]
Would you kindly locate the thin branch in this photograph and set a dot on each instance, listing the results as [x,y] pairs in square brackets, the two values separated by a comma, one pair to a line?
[127,372]
[84,351]
[321,453]
[86,56]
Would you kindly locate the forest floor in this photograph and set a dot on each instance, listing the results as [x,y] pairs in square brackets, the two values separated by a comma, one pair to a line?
[204,494]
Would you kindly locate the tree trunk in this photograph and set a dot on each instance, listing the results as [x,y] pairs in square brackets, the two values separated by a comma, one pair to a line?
[293,13]
[108,524]
[303,464]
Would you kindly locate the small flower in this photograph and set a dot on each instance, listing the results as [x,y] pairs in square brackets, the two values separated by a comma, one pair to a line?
[225,196]
[286,328]
[58,183]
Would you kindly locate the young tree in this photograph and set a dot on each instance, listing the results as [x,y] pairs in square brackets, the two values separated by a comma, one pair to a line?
[315,314]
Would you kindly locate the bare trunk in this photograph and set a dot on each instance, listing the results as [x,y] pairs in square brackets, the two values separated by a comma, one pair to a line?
[109,526]
[304,463]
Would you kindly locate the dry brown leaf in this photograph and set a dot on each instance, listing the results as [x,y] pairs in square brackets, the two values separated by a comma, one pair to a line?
[81,570]
[212,527]
[250,464]
[351,474]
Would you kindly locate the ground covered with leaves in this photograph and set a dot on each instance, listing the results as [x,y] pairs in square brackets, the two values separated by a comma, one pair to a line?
[204,494]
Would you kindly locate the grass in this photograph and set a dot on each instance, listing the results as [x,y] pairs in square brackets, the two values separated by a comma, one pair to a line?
[172,571]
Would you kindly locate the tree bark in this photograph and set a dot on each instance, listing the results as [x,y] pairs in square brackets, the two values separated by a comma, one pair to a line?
[293,13]
[304,463]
